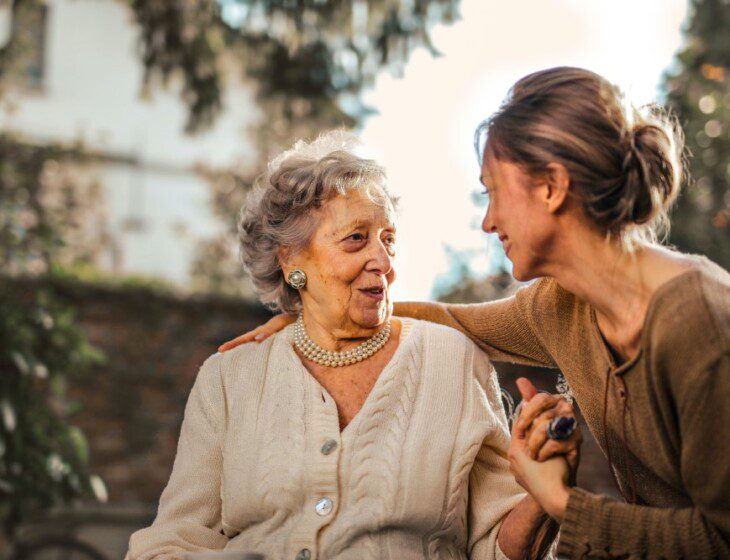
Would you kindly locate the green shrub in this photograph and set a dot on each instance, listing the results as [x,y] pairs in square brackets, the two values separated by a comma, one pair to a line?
[43,458]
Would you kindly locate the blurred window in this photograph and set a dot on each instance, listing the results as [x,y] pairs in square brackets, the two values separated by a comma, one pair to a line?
[29,28]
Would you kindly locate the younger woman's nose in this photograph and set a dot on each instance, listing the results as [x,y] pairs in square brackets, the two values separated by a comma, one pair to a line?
[488,225]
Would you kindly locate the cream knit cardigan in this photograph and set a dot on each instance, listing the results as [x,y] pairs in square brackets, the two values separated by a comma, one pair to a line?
[420,472]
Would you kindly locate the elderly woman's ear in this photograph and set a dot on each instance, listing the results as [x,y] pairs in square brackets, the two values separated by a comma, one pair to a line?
[285,255]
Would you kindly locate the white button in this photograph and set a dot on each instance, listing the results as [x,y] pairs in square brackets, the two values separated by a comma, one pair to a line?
[323,506]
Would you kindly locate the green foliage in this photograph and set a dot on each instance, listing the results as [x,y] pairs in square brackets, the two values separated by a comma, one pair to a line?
[184,38]
[42,457]
[305,53]
[48,214]
[90,274]
[699,92]
[50,210]
[27,234]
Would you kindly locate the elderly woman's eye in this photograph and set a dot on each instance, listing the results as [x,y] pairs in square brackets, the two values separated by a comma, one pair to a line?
[357,237]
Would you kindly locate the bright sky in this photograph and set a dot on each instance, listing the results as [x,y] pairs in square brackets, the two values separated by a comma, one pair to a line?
[423,132]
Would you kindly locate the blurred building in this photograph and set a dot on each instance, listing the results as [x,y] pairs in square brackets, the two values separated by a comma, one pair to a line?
[81,84]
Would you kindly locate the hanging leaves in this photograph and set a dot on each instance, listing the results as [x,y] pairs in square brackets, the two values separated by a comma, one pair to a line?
[315,50]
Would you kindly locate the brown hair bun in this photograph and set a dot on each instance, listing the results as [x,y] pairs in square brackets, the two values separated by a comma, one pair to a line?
[625,163]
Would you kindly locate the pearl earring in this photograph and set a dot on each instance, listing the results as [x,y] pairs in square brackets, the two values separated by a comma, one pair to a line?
[297,279]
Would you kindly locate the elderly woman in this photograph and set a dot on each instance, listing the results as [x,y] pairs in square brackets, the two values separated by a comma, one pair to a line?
[351,433]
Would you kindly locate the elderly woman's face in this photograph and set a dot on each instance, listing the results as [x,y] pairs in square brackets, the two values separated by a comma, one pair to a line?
[349,264]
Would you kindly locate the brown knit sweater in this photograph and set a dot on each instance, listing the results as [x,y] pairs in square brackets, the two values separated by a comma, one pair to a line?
[665,426]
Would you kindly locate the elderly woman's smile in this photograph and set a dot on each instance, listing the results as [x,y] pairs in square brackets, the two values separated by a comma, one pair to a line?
[376,292]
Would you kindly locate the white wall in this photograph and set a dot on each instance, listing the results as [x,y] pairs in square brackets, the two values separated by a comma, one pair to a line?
[91,92]
[173,207]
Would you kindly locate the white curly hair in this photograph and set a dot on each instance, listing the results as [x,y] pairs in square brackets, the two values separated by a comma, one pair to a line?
[280,210]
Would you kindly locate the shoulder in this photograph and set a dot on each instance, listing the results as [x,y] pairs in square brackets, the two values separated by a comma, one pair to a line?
[450,359]
[447,350]
[550,298]
[439,338]
[714,295]
[689,322]
[244,355]
[551,309]
[244,363]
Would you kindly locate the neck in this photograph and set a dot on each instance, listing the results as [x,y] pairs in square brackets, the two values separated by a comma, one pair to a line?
[601,273]
[337,337]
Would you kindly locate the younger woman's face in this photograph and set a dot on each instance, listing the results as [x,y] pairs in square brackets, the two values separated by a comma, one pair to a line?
[518,214]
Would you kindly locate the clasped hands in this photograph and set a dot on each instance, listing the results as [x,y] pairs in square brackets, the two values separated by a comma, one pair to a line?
[545,467]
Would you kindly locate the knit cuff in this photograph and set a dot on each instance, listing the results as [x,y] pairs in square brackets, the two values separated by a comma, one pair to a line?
[574,542]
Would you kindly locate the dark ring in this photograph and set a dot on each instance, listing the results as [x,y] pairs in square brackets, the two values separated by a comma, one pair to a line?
[561,427]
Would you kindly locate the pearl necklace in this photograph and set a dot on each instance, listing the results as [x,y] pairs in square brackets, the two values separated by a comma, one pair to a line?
[314,352]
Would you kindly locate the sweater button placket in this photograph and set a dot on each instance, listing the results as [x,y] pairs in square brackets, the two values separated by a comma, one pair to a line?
[324,492]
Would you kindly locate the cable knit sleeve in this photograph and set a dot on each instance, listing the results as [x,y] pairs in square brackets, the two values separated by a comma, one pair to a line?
[189,514]
[493,491]
[503,328]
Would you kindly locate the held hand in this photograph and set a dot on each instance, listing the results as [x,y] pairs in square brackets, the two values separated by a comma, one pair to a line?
[537,411]
[272,326]
[547,480]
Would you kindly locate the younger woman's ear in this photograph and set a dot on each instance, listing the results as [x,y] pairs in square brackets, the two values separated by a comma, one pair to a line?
[557,180]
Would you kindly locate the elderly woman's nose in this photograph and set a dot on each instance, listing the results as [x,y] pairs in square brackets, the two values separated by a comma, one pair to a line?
[380,258]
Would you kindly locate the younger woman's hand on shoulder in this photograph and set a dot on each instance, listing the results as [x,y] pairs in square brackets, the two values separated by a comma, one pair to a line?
[272,326]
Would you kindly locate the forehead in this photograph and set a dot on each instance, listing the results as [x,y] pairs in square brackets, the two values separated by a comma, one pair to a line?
[486,176]
[503,172]
[357,208]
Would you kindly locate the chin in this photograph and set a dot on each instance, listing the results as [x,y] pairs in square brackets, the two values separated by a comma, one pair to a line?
[520,276]
[372,318]
[522,273]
